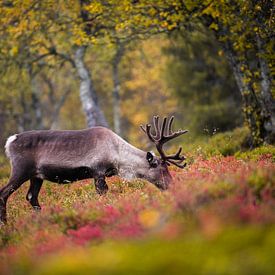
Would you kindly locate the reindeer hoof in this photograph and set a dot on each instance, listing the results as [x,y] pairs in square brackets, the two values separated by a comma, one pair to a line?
[3,221]
[101,191]
[3,217]
[37,208]
[101,187]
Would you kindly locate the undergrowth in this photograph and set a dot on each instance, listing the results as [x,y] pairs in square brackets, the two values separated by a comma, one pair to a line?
[217,218]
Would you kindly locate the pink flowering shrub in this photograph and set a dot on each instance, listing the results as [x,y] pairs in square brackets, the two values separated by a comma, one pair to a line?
[85,233]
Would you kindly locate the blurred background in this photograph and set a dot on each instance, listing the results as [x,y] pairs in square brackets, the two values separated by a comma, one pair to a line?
[77,64]
[183,75]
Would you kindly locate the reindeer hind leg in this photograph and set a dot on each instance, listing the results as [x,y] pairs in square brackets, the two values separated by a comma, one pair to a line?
[15,181]
[33,192]
[101,185]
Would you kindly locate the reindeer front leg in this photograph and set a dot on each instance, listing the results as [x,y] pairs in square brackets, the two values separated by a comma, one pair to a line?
[101,186]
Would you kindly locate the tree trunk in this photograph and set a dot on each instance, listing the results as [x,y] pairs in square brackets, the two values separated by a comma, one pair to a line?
[37,120]
[24,118]
[266,99]
[251,106]
[93,113]
[116,91]
[56,110]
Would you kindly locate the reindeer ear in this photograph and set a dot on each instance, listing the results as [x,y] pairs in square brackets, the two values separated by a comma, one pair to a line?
[150,157]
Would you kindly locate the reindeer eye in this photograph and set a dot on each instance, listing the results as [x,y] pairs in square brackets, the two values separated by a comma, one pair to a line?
[153,162]
[150,157]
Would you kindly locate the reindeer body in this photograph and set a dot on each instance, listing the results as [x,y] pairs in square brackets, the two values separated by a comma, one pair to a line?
[67,156]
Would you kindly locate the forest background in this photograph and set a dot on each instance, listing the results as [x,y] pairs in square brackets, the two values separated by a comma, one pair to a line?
[73,64]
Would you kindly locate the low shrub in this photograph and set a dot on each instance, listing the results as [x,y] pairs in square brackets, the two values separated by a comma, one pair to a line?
[266,151]
[233,143]
[260,181]
[227,143]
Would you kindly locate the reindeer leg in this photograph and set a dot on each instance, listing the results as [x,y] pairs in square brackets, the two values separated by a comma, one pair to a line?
[32,195]
[15,181]
[101,186]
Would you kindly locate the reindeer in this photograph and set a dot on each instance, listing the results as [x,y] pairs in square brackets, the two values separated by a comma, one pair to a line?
[72,155]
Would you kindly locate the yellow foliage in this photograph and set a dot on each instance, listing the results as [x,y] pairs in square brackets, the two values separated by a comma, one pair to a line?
[214,26]
[14,51]
[145,90]
[94,7]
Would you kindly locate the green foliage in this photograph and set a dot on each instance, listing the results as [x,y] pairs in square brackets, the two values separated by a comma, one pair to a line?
[212,118]
[220,144]
[199,75]
[4,167]
[233,143]
[260,181]
[228,143]
[265,151]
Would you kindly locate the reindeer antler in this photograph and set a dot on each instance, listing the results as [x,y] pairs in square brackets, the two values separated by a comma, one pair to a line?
[162,135]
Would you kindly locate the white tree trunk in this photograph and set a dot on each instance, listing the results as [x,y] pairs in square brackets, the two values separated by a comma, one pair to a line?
[93,113]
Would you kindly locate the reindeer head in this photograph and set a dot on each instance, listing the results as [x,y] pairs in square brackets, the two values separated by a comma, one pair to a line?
[158,172]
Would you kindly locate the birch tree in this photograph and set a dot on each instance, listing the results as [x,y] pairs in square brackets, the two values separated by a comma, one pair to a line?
[65,30]
[52,32]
